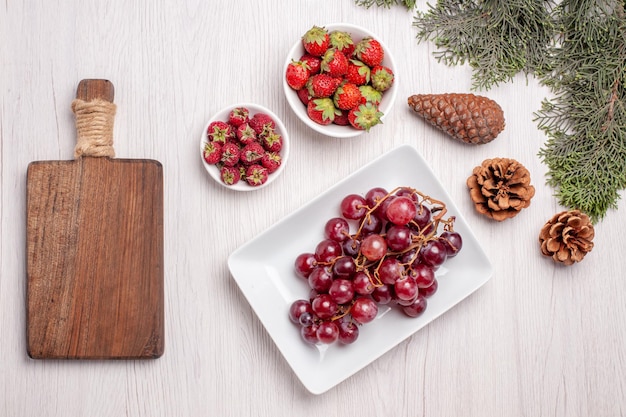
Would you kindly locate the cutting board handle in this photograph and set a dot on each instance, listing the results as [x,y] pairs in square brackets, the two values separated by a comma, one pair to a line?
[95,113]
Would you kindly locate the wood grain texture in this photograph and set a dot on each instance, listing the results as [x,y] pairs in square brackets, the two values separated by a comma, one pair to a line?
[536,340]
[95,255]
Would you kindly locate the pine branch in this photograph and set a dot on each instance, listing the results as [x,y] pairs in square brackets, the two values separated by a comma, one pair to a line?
[498,39]
[409,4]
[586,120]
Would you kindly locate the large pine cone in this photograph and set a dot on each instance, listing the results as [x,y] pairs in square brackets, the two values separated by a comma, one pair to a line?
[466,117]
[567,237]
[500,188]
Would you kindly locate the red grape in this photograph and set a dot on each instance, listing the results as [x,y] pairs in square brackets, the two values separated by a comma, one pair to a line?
[452,241]
[364,310]
[304,264]
[351,247]
[417,308]
[348,332]
[320,279]
[372,224]
[337,229]
[362,283]
[327,250]
[429,291]
[353,207]
[344,267]
[297,308]
[373,196]
[401,210]
[390,270]
[327,332]
[433,253]
[309,333]
[341,291]
[398,238]
[382,295]
[324,306]
[405,289]
[424,274]
[374,247]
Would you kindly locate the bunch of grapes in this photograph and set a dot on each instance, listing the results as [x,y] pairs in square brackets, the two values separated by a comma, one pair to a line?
[384,249]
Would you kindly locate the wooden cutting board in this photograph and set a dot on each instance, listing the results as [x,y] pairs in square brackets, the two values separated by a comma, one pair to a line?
[95,250]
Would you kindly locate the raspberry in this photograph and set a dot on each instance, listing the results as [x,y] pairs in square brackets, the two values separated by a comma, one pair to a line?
[261,121]
[271,161]
[219,131]
[230,175]
[230,154]
[252,153]
[256,175]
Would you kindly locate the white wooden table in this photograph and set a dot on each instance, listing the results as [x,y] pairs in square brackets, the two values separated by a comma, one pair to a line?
[537,340]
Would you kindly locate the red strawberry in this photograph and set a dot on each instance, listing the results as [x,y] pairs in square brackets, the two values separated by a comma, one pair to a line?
[230,175]
[256,175]
[347,96]
[212,152]
[358,73]
[272,141]
[334,63]
[271,161]
[252,153]
[369,51]
[322,85]
[245,134]
[219,131]
[297,74]
[342,119]
[316,41]
[342,41]
[238,116]
[365,116]
[370,94]
[314,63]
[322,111]
[304,96]
[382,78]
[260,122]
[230,154]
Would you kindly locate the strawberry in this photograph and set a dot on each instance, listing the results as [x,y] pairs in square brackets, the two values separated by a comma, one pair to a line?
[230,175]
[334,63]
[342,41]
[245,134]
[230,154]
[342,119]
[271,161]
[358,73]
[316,41]
[369,51]
[272,141]
[256,175]
[322,111]
[347,96]
[314,63]
[370,94]
[219,131]
[297,74]
[365,116]
[382,78]
[260,122]
[212,152]
[238,116]
[322,85]
[252,153]
[304,96]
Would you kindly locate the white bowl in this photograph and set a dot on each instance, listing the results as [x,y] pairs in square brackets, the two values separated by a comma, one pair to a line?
[222,115]
[334,130]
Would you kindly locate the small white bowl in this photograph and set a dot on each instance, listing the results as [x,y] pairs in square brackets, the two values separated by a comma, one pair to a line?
[222,115]
[334,130]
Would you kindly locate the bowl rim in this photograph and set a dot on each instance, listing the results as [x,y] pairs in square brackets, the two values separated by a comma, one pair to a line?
[253,108]
[332,130]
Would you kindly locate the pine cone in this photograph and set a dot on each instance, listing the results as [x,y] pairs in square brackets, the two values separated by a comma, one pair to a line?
[567,237]
[469,118]
[500,188]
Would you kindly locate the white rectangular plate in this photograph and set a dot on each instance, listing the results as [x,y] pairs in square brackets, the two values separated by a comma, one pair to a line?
[264,270]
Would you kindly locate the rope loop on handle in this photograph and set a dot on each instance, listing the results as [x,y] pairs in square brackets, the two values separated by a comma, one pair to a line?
[94,127]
